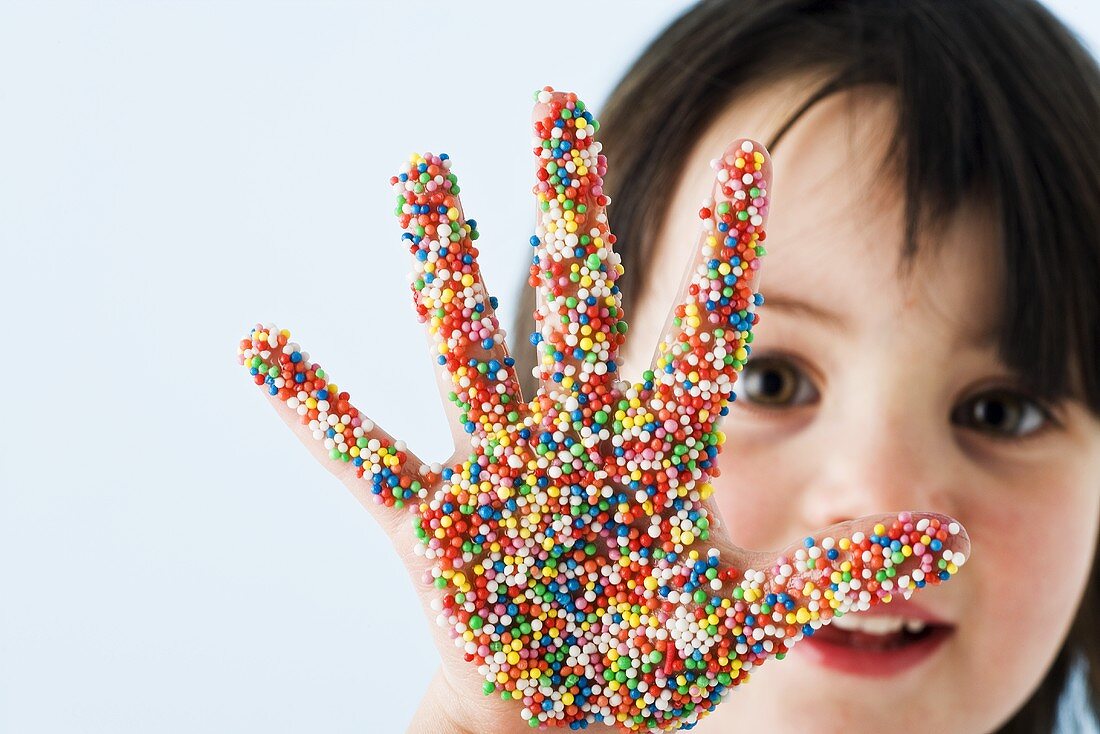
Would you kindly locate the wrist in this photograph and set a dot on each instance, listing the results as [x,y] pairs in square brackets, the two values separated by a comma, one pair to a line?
[444,710]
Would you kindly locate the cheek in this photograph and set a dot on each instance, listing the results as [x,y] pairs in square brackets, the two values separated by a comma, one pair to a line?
[1029,563]
[756,493]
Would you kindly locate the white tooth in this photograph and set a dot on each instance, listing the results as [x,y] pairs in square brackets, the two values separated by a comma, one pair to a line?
[847,622]
[883,625]
[914,626]
[876,625]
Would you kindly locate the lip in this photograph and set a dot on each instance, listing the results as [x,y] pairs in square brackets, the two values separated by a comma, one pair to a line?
[824,649]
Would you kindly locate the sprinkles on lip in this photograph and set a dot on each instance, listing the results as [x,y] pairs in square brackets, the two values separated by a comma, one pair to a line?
[572,547]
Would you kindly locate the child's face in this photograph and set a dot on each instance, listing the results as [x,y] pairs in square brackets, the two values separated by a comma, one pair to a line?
[870,391]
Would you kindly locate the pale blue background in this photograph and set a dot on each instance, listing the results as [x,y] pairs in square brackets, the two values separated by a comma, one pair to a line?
[170,559]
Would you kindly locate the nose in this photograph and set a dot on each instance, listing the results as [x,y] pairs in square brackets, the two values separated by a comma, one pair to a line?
[878,457]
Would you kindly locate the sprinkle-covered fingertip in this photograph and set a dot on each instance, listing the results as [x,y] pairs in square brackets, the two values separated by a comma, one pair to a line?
[284,371]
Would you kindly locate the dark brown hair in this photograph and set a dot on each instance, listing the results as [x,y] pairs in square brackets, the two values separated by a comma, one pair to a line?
[998,98]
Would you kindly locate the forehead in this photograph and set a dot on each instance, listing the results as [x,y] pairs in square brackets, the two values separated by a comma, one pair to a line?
[837,227]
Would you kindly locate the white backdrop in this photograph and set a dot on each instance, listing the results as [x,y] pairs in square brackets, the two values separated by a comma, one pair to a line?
[171,560]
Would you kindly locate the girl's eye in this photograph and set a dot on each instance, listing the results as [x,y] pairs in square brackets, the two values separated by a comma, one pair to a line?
[1001,414]
[776,382]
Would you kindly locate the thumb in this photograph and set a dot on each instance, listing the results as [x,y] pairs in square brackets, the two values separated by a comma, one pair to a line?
[870,560]
[768,601]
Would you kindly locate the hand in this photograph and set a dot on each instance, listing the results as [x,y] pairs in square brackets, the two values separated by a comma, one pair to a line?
[569,548]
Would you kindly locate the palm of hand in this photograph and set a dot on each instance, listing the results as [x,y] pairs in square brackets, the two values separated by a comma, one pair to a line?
[578,562]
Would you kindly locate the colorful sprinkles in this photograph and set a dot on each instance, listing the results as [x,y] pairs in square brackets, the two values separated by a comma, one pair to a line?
[571,548]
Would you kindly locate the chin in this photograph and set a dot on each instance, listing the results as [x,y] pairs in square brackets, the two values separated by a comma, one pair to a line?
[797,695]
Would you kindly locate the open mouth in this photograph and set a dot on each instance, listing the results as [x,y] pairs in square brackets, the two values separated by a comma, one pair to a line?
[876,643]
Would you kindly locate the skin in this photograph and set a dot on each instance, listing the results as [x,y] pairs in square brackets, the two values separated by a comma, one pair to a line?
[889,352]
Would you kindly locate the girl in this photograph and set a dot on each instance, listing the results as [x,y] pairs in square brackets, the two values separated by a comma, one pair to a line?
[930,340]
[931,328]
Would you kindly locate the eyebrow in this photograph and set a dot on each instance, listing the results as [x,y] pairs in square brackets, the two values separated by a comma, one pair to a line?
[979,336]
[798,307]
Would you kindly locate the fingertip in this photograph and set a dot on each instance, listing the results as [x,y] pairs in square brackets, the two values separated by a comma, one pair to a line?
[753,151]
[932,543]
[549,102]
[743,176]
[559,109]
[254,351]
[950,532]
